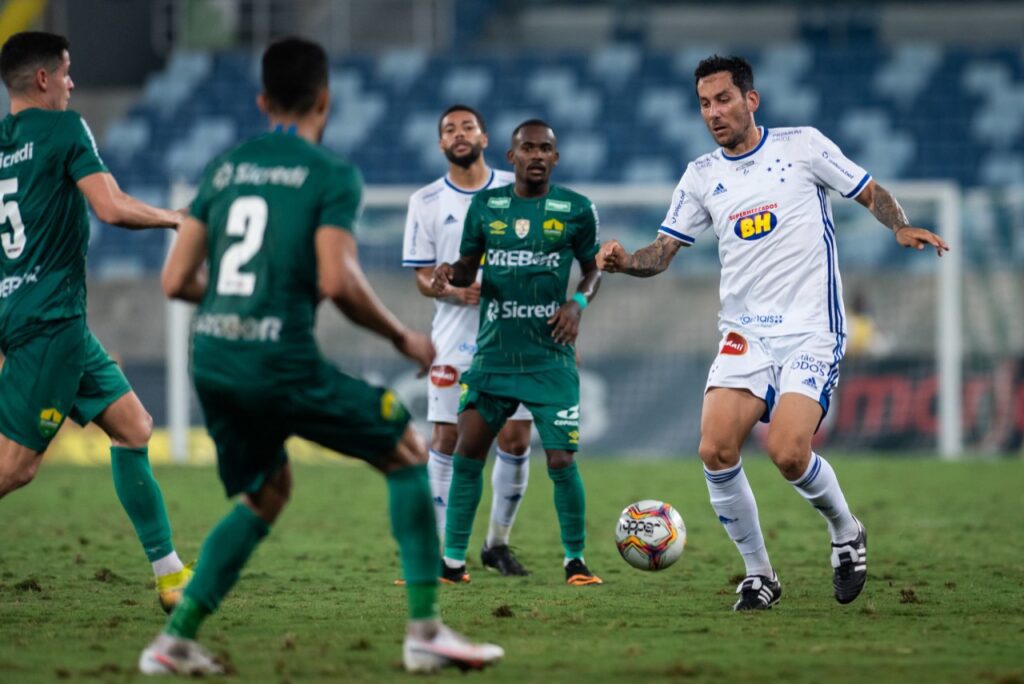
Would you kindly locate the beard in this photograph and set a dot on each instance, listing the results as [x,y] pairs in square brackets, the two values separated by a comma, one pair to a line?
[466,160]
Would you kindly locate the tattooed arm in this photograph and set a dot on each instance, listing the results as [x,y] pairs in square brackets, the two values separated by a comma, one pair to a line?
[644,263]
[884,207]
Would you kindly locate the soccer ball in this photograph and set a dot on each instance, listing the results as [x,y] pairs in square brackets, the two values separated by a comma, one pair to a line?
[650,535]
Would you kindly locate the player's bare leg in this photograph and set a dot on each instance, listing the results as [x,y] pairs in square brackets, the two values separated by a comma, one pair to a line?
[18,465]
[727,418]
[789,446]
[129,427]
[509,480]
[571,507]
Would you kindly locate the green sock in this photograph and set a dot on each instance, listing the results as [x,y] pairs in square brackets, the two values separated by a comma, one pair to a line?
[224,553]
[186,618]
[463,498]
[571,505]
[141,498]
[413,526]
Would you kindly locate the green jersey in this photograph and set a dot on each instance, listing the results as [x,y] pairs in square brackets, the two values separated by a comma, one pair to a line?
[528,246]
[262,203]
[44,221]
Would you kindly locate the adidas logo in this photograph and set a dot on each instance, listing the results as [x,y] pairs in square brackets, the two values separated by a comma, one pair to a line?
[450,220]
[719,189]
[726,521]
[811,382]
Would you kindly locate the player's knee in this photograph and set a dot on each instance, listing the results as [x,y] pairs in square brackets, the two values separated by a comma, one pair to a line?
[443,438]
[135,432]
[16,476]
[557,460]
[788,453]
[514,442]
[717,455]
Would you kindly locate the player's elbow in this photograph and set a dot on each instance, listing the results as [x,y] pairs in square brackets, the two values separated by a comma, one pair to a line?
[173,283]
[334,286]
[108,212]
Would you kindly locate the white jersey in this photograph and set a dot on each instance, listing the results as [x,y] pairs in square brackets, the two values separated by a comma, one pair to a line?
[433,233]
[770,210]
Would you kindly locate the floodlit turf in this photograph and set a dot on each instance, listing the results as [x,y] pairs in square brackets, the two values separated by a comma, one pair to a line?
[943,602]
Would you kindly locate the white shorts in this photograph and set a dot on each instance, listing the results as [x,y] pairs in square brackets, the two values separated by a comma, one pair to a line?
[443,392]
[769,367]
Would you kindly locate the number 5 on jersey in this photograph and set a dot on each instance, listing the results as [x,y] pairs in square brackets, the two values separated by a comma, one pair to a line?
[13,243]
[247,219]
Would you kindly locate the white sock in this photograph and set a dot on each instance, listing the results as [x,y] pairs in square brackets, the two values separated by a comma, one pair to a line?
[167,565]
[508,480]
[733,501]
[439,472]
[820,486]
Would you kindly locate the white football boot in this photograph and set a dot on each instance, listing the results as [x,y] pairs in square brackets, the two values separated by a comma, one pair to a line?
[447,649]
[171,655]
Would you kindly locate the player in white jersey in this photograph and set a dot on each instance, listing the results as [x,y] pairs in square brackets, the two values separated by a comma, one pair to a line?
[764,196]
[433,232]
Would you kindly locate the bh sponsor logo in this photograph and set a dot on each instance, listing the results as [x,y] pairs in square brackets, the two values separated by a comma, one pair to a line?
[734,344]
[756,226]
[443,376]
[569,416]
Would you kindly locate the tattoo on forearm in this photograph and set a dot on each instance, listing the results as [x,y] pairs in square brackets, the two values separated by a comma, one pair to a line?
[654,258]
[887,210]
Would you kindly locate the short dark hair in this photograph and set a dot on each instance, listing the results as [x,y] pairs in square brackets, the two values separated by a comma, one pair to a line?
[25,52]
[531,122]
[461,108]
[739,68]
[294,72]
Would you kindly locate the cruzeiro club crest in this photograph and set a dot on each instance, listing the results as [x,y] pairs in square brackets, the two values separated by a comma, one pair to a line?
[492,311]
[522,228]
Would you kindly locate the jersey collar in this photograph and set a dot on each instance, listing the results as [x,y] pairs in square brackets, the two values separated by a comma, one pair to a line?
[760,144]
[453,186]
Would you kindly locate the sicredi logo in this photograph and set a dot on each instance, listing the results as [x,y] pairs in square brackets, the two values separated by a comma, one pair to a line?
[735,344]
[515,310]
[756,226]
[443,376]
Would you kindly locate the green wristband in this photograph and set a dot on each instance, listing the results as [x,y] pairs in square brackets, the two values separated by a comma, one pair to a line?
[581,299]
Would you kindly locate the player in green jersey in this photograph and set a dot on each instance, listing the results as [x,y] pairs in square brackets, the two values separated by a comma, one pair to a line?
[273,218]
[55,367]
[527,234]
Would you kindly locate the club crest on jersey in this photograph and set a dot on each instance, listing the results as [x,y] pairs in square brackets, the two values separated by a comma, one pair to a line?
[49,422]
[443,376]
[390,407]
[755,226]
[553,228]
[497,227]
[499,202]
[522,228]
[734,345]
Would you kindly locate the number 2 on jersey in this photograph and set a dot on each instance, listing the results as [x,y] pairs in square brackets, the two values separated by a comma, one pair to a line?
[13,243]
[247,219]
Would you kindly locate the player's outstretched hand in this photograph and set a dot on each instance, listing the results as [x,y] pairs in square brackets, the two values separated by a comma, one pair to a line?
[612,257]
[566,322]
[919,238]
[418,347]
[442,279]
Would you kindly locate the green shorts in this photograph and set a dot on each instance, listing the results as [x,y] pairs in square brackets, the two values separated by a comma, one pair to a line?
[250,425]
[62,371]
[551,396]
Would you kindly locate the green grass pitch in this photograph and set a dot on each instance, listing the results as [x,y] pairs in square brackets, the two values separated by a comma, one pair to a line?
[944,600]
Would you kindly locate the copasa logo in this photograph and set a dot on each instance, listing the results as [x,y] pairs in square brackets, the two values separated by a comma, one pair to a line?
[756,226]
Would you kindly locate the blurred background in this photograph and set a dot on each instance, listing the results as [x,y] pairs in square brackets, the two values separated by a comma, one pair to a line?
[927,96]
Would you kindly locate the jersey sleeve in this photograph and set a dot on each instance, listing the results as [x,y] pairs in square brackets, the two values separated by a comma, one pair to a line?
[473,239]
[585,242]
[199,209]
[83,156]
[687,217]
[342,202]
[831,168]
[419,247]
